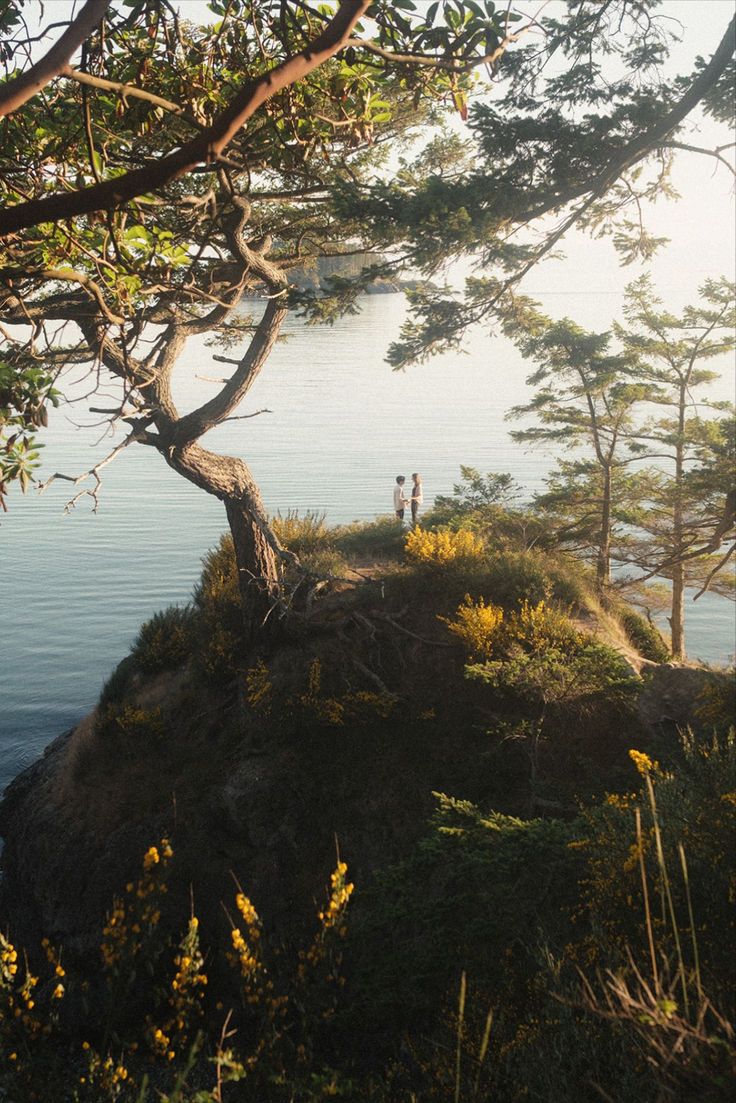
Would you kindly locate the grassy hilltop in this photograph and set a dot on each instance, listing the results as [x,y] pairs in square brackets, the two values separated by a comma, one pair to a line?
[456,831]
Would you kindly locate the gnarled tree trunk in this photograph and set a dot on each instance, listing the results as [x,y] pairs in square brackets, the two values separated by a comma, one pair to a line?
[603,563]
[257,551]
[258,568]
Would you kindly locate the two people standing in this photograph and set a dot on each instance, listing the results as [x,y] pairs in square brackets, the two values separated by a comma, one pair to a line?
[401,501]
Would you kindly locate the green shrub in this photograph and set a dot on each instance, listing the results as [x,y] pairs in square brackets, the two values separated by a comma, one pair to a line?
[217,595]
[165,641]
[647,639]
[526,908]
[571,582]
[514,577]
[302,535]
[217,654]
[695,805]
[475,491]
[573,673]
[715,706]
[116,685]
[467,897]
[219,618]
[324,563]
[383,537]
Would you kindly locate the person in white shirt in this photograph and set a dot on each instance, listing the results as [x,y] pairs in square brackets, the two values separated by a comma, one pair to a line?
[416,497]
[400,500]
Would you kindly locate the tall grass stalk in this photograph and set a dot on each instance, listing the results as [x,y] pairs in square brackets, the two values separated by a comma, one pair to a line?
[691,918]
[483,1051]
[460,1028]
[665,880]
[645,890]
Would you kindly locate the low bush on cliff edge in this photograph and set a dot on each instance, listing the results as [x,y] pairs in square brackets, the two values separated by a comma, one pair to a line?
[165,641]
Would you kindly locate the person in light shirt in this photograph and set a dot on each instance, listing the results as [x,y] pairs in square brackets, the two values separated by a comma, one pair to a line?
[400,499]
[416,497]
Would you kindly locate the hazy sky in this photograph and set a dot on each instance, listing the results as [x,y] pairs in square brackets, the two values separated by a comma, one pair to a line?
[588,285]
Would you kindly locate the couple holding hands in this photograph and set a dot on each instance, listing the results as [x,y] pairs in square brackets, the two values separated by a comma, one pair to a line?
[401,501]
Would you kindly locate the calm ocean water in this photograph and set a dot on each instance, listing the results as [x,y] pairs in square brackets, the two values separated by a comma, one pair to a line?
[342,425]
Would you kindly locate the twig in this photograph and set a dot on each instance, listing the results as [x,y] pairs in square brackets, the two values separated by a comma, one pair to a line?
[373,677]
[244,417]
[93,492]
[408,632]
[721,563]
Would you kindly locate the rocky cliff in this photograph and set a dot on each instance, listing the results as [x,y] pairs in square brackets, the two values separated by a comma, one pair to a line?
[337,739]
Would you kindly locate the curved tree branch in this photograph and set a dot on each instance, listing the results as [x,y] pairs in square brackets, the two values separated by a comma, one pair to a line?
[66,275]
[125,90]
[702,151]
[198,422]
[17,91]
[712,574]
[203,149]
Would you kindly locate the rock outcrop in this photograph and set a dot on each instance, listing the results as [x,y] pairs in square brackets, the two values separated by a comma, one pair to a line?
[267,799]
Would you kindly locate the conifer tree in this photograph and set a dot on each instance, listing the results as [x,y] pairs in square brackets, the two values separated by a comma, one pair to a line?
[692,508]
[584,404]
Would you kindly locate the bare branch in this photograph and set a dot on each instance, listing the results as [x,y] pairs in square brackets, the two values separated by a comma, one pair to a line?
[138,434]
[712,574]
[705,152]
[126,90]
[244,417]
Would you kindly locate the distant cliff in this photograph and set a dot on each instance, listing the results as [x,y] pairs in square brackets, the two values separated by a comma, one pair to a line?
[313,274]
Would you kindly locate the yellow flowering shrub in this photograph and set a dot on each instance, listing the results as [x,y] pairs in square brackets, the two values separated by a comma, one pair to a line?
[439,547]
[29,1013]
[359,707]
[477,625]
[486,631]
[319,974]
[541,628]
[130,931]
[127,726]
[18,1022]
[187,989]
[328,710]
[246,951]
[105,1078]
[157,1029]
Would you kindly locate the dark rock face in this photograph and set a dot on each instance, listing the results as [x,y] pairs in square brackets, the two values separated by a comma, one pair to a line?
[268,801]
[58,878]
[675,695]
[78,822]
[28,824]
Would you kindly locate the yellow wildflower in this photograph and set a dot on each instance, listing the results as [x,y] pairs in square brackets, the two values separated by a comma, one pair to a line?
[644,764]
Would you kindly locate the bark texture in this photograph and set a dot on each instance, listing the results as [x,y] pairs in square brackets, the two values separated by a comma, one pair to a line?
[257,551]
